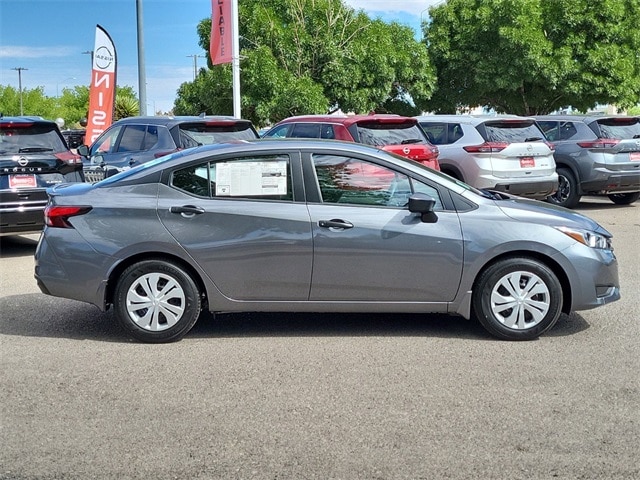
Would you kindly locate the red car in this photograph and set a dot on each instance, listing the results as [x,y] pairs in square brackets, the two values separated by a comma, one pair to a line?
[393,133]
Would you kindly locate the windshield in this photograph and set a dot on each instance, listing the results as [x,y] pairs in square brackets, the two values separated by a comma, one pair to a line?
[31,138]
[383,134]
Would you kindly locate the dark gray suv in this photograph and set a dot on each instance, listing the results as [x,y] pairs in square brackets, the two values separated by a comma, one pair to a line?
[595,155]
[135,140]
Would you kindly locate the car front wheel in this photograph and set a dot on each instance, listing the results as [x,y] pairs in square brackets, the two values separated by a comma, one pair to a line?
[624,198]
[517,299]
[156,301]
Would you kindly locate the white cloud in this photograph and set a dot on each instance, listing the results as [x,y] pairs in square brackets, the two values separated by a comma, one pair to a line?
[16,51]
[414,7]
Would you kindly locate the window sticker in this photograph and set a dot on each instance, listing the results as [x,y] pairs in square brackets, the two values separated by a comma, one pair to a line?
[236,179]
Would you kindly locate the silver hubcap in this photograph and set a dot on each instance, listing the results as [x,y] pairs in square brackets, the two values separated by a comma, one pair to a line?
[520,300]
[155,302]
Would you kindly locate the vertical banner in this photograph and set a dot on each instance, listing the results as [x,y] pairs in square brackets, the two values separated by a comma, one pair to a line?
[102,90]
[220,46]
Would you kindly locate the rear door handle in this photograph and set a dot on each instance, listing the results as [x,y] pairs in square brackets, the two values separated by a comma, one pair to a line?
[187,210]
[334,223]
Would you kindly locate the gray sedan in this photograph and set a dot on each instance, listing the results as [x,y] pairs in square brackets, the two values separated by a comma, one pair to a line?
[315,226]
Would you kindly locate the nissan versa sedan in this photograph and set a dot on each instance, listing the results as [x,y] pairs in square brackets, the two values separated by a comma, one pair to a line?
[315,226]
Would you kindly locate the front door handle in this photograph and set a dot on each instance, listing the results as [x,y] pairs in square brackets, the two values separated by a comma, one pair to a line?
[188,210]
[334,223]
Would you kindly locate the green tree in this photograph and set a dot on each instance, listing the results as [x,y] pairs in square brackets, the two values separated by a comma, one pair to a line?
[312,56]
[534,56]
[34,102]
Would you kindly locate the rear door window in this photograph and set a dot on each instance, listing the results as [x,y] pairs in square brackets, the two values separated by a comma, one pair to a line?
[256,177]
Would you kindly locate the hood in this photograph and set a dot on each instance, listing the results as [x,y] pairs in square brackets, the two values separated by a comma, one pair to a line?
[540,212]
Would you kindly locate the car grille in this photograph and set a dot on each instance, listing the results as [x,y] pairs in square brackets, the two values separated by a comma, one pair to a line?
[94,174]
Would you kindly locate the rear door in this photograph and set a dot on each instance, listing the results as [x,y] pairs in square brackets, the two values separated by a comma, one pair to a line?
[240,220]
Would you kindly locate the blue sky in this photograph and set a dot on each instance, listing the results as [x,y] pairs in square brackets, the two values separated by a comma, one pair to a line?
[47,38]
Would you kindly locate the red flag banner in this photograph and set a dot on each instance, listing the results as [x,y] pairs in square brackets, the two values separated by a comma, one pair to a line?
[220,47]
[102,91]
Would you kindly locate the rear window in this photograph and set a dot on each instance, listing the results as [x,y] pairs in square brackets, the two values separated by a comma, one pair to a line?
[620,128]
[511,131]
[31,138]
[204,134]
[382,134]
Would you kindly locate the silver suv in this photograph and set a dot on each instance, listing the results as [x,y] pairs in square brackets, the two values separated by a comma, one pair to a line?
[505,153]
[595,155]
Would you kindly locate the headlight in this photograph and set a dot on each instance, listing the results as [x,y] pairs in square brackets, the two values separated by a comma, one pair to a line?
[588,238]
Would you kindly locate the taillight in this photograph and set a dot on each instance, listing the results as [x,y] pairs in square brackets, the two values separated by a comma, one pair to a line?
[58,216]
[486,147]
[162,154]
[69,157]
[600,143]
[551,146]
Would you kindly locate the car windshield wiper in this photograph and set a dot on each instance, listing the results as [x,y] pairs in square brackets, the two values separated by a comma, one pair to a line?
[34,149]
[533,139]
[411,140]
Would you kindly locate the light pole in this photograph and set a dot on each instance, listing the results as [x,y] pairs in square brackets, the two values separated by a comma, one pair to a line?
[20,69]
[58,83]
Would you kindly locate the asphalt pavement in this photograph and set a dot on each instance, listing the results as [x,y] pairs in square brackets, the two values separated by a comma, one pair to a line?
[284,396]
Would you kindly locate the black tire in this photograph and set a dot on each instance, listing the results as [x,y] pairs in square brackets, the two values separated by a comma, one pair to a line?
[536,311]
[567,194]
[169,317]
[624,198]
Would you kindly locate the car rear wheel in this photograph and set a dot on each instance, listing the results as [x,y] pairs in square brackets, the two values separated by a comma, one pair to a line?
[517,299]
[156,301]
[624,198]
[567,194]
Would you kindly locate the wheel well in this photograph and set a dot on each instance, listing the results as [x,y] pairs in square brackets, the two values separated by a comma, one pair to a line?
[122,266]
[547,261]
[451,171]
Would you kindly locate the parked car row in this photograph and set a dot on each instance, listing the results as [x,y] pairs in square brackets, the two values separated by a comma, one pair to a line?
[558,158]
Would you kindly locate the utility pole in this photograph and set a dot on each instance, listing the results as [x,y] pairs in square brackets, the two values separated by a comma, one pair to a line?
[20,69]
[195,64]
[142,75]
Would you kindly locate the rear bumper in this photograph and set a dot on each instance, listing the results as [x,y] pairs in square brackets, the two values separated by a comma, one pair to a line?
[612,183]
[22,211]
[537,190]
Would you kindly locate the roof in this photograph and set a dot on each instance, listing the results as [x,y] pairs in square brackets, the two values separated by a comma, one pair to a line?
[347,120]
[170,121]
[471,119]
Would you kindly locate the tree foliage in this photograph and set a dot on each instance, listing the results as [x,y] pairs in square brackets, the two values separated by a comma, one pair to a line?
[312,56]
[72,105]
[534,56]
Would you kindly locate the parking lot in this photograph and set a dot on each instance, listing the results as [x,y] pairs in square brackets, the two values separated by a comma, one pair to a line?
[319,396]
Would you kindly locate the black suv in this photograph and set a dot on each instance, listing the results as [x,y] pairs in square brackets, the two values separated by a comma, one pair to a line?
[33,157]
[595,155]
[135,140]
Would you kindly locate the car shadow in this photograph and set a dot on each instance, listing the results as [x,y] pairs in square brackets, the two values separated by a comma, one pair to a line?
[12,246]
[598,203]
[67,319]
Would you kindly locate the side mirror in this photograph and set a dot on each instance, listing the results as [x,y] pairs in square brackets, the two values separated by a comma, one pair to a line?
[83,150]
[423,204]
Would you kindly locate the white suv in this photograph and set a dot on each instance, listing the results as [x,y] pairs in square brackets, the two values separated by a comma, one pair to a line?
[505,153]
